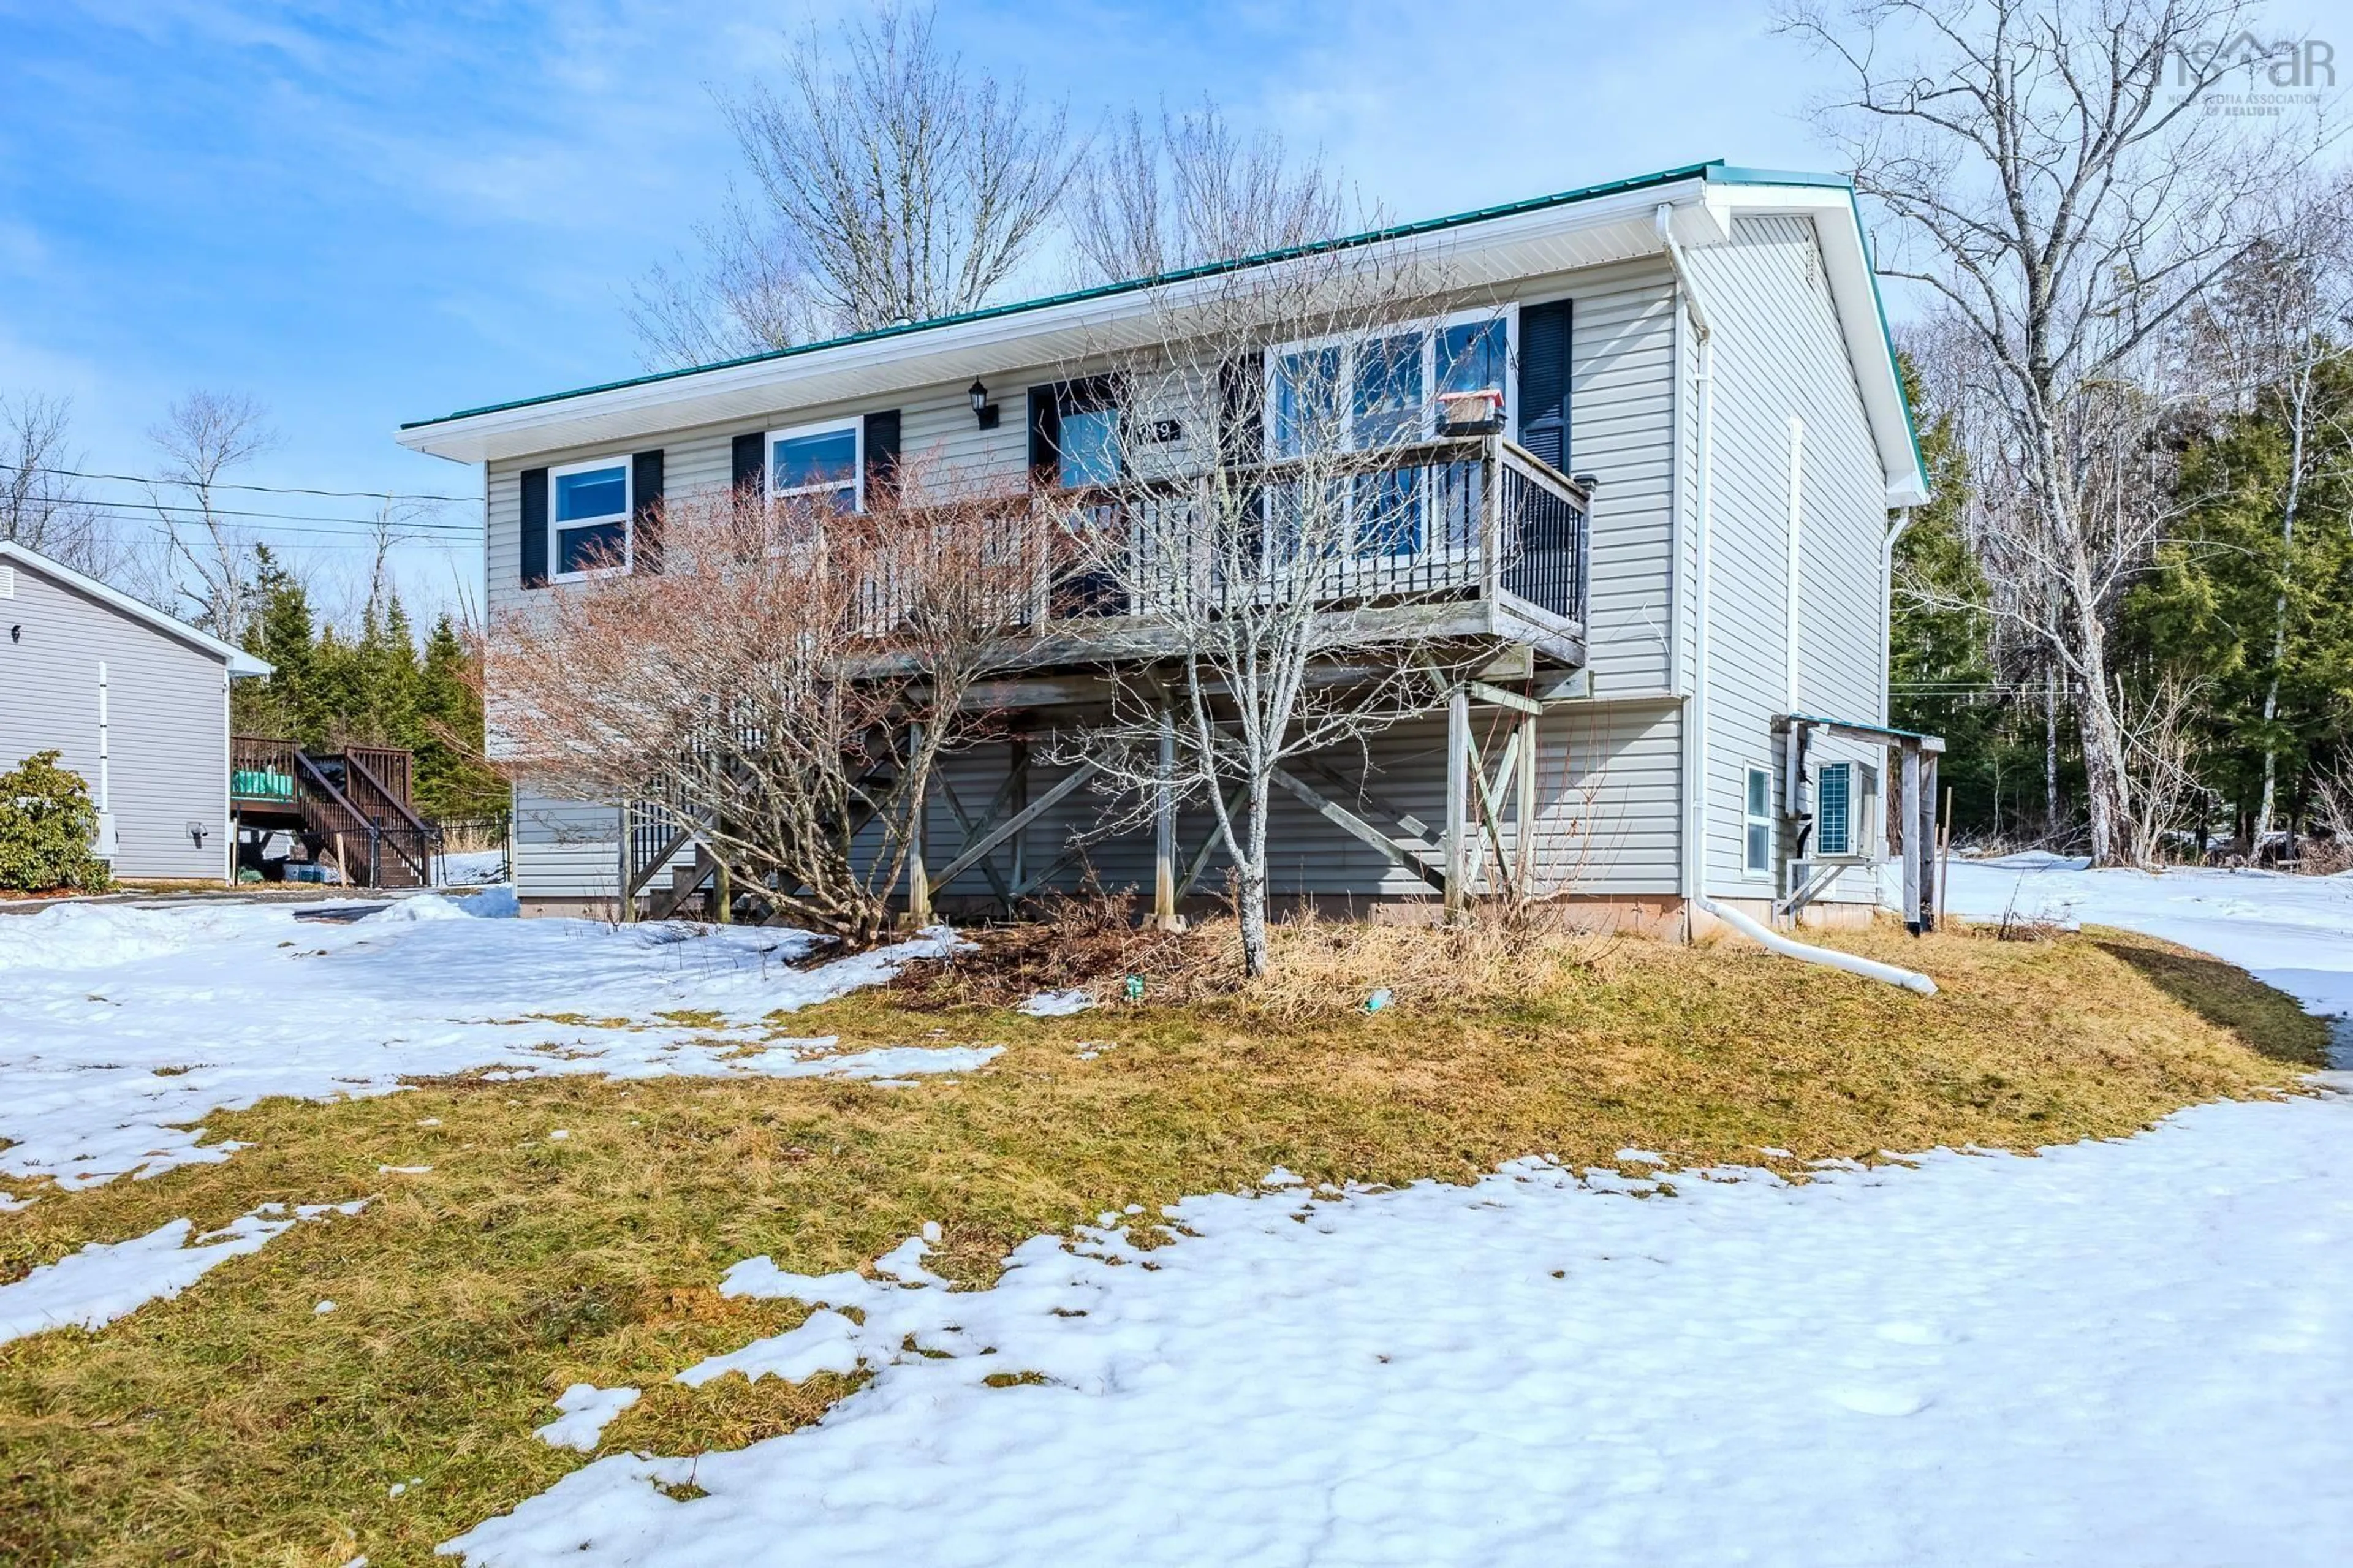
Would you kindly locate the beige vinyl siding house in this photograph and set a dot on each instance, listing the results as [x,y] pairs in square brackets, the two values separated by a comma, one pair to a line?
[1704,450]
[161,720]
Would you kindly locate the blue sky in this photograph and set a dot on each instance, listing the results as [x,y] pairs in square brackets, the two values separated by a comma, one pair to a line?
[366,212]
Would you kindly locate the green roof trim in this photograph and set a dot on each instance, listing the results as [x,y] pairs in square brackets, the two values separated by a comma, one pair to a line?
[1715,171]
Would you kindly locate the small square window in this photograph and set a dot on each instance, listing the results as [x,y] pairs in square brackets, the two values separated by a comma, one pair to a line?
[1757,823]
[817,463]
[591,520]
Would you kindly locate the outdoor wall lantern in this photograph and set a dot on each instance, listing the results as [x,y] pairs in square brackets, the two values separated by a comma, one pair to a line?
[982,408]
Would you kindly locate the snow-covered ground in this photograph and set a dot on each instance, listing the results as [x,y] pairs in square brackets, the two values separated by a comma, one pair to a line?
[471,868]
[121,1028]
[2294,932]
[106,1280]
[2129,1352]
[2125,1352]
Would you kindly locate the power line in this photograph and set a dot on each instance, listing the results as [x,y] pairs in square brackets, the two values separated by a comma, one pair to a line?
[448,537]
[137,508]
[261,489]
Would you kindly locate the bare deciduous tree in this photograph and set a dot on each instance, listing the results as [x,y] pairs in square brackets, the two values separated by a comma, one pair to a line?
[1279,518]
[2058,187]
[892,183]
[1153,199]
[203,437]
[785,685]
[2159,727]
[43,506]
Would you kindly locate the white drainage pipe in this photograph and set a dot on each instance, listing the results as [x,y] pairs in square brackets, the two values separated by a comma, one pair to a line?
[1773,941]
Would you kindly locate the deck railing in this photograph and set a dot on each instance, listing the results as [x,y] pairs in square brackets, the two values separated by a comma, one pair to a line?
[1458,518]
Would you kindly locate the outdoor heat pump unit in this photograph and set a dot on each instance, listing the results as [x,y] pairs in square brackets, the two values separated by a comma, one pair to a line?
[1846,801]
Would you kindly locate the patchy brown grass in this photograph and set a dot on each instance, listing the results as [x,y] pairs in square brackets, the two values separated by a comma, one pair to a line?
[234,1424]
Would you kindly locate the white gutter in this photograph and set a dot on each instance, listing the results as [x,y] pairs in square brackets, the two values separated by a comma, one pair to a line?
[1829,958]
[1695,715]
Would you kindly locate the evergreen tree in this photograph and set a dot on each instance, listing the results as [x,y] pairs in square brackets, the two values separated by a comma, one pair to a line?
[2209,608]
[447,738]
[280,632]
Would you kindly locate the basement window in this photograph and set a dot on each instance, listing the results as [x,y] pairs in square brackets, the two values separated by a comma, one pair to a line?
[591,513]
[1757,823]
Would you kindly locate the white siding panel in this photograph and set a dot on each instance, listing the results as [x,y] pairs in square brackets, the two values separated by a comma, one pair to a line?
[565,848]
[1621,422]
[1778,353]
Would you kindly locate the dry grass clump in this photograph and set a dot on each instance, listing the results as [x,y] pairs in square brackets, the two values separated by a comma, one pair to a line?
[1089,944]
[1320,965]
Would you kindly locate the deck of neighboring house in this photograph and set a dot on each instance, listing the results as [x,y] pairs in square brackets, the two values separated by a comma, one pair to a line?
[349,809]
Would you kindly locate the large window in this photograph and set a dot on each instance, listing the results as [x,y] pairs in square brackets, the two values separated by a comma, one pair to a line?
[1757,823]
[591,515]
[818,464]
[1410,384]
[1386,390]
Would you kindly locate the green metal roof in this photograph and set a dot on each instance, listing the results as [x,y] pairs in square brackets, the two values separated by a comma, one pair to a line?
[1714,171]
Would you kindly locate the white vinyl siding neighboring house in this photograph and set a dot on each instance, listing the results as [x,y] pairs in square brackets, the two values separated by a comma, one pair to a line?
[164,778]
[1800,362]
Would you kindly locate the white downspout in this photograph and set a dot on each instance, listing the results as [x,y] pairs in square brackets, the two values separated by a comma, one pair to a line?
[106,841]
[1794,554]
[1887,612]
[1696,748]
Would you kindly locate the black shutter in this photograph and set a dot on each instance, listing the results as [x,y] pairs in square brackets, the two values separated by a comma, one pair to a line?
[534,527]
[1045,436]
[645,500]
[1242,435]
[751,467]
[1543,381]
[881,455]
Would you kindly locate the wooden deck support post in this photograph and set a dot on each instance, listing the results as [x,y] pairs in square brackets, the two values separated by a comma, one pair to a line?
[1908,815]
[1457,803]
[1924,831]
[1524,851]
[919,888]
[626,902]
[1164,830]
[1016,801]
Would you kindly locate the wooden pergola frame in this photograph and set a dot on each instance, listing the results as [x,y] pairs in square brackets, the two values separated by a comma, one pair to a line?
[1915,816]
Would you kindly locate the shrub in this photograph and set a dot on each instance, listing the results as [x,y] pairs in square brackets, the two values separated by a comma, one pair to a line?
[46,826]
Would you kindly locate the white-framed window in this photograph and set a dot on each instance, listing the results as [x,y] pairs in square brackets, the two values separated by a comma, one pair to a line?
[1362,391]
[1391,389]
[819,462]
[1834,802]
[1756,823]
[588,518]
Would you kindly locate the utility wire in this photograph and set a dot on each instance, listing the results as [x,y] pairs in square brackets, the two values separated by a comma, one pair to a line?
[136,508]
[457,537]
[261,489]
